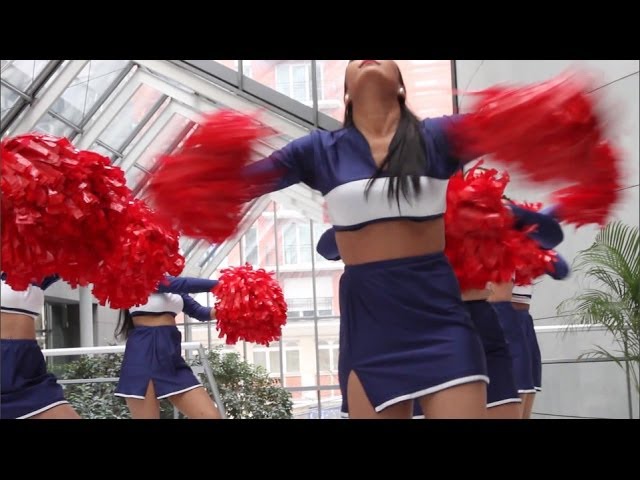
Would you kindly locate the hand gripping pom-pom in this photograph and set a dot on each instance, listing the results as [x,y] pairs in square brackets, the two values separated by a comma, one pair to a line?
[250,306]
[203,187]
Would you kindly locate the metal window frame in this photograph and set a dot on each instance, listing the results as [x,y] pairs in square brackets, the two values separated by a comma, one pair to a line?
[30,94]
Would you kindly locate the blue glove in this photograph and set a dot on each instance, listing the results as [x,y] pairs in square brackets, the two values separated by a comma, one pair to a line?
[561,270]
[548,233]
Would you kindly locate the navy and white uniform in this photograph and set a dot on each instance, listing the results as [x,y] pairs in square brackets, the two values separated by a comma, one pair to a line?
[518,324]
[155,353]
[27,388]
[501,389]
[523,294]
[404,329]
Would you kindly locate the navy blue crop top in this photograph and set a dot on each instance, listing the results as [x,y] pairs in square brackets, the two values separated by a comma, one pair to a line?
[172,297]
[339,165]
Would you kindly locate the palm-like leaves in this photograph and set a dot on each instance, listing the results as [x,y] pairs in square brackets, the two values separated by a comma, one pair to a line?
[612,263]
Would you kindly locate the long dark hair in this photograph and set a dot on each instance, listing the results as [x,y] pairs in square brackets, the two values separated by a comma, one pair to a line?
[406,160]
[125,325]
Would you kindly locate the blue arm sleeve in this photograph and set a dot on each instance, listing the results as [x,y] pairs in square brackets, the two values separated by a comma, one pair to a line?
[327,246]
[561,270]
[551,210]
[440,147]
[548,232]
[294,163]
[195,310]
[186,285]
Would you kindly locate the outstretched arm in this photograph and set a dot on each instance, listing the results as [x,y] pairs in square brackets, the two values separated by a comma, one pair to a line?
[186,285]
[195,310]
[294,163]
[548,232]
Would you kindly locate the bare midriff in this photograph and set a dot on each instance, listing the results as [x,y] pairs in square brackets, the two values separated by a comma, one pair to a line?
[17,326]
[162,320]
[389,240]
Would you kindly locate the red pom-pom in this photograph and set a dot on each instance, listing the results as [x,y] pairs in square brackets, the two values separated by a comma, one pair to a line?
[61,209]
[592,201]
[250,306]
[144,254]
[70,213]
[203,187]
[546,129]
[551,132]
[479,228]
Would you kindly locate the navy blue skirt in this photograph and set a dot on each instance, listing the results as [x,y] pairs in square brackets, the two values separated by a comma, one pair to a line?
[502,388]
[27,388]
[155,354]
[534,348]
[405,332]
[514,331]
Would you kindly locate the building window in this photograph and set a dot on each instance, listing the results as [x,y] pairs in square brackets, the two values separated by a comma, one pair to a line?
[328,351]
[298,292]
[269,358]
[297,244]
[250,246]
[294,81]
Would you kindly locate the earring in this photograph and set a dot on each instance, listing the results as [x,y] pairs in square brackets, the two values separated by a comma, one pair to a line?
[346,98]
[401,92]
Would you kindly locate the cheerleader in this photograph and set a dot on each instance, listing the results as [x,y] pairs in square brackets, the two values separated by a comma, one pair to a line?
[28,390]
[153,367]
[521,301]
[511,303]
[503,401]
[405,334]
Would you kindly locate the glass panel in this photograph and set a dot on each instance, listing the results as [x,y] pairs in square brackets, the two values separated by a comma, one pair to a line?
[260,359]
[20,73]
[324,359]
[330,75]
[274,361]
[8,98]
[289,77]
[87,88]
[250,246]
[115,93]
[167,137]
[49,124]
[148,124]
[134,175]
[292,360]
[126,121]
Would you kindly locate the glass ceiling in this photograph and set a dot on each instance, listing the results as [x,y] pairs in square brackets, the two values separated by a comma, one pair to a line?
[132,111]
